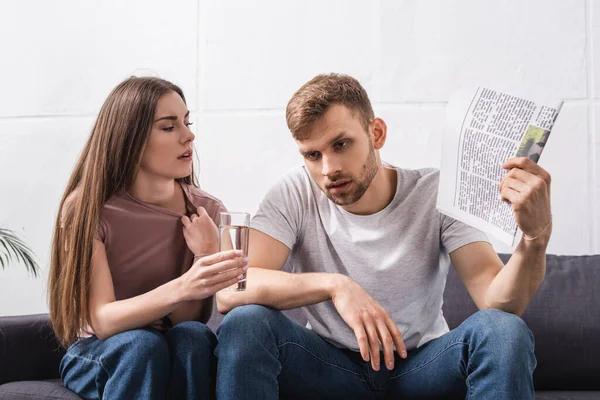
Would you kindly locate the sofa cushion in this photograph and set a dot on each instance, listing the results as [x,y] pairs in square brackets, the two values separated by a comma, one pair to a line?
[558,395]
[564,316]
[28,390]
[28,349]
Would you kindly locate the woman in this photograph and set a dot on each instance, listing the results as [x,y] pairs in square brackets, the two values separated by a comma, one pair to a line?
[134,257]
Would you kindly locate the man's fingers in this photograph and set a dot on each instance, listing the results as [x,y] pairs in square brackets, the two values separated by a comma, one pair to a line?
[515,184]
[388,344]
[373,339]
[220,256]
[509,195]
[524,164]
[363,342]
[397,338]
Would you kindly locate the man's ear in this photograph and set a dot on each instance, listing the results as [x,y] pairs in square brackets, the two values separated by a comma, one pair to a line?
[378,132]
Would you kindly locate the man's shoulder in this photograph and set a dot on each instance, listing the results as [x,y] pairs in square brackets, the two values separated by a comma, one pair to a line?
[421,178]
[294,182]
[420,173]
[297,175]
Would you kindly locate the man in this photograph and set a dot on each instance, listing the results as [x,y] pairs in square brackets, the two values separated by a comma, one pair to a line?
[370,254]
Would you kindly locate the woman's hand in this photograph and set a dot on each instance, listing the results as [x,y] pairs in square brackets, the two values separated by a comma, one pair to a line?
[212,273]
[200,233]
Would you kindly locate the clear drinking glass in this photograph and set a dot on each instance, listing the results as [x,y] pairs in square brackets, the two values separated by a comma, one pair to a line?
[234,234]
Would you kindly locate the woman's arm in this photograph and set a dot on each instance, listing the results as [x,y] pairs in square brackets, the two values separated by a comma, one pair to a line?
[201,236]
[109,316]
[199,310]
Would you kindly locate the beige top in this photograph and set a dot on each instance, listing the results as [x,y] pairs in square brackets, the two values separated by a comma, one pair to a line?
[144,243]
[145,246]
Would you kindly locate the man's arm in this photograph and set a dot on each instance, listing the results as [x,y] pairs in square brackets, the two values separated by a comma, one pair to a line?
[268,285]
[510,288]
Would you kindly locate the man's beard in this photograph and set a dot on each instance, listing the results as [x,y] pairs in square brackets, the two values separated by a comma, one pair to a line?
[359,187]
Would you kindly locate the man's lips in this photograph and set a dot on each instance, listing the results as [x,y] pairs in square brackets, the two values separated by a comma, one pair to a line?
[337,184]
[339,187]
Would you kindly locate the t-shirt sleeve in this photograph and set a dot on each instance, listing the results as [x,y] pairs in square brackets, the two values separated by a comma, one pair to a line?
[455,234]
[102,230]
[280,213]
[67,210]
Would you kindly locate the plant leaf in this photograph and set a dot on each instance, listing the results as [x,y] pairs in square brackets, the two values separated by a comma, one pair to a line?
[7,252]
[11,242]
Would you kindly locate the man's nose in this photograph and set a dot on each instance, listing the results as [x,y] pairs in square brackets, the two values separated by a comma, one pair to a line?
[330,166]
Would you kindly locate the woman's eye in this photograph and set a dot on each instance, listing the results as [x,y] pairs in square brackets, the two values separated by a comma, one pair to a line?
[189,124]
[169,129]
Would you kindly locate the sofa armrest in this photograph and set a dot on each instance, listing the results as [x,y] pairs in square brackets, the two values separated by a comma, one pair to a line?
[28,349]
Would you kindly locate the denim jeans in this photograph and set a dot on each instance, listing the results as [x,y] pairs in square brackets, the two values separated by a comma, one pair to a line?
[143,364]
[262,354]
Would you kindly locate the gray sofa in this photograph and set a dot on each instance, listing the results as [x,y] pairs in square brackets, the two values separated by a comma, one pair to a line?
[564,316]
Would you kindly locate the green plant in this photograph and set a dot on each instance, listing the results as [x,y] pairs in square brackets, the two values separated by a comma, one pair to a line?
[13,248]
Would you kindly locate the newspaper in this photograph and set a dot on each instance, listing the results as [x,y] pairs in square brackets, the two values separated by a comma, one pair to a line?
[485,128]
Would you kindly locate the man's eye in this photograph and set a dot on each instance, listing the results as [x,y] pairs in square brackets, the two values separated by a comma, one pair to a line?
[341,145]
[312,156]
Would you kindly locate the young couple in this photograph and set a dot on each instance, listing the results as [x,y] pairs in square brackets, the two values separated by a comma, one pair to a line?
[135,266]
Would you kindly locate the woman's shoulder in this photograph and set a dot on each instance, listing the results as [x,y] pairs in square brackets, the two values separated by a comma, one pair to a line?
[201,198]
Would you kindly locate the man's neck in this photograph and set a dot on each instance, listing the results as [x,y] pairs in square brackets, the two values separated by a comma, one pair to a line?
[380,193]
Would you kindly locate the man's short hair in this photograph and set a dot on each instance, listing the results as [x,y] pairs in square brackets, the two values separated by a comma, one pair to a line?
[314,98]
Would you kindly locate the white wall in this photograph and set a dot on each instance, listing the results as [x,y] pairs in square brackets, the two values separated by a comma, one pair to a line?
[239,61]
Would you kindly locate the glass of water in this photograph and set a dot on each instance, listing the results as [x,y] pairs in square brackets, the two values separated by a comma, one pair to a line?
[234,234]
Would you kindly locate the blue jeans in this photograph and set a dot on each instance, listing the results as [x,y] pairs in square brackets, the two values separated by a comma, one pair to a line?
[143,364]
[262,354]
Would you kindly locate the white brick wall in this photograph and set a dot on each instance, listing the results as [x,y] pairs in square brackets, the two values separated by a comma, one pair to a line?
[239,62]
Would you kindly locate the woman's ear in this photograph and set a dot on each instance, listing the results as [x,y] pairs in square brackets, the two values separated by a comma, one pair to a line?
[378,130]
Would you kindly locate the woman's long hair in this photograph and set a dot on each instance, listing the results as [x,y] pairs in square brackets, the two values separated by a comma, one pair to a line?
[107,165]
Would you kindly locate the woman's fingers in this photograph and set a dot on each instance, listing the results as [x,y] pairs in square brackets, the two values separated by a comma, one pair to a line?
[224,277]
[219,257]
[221,267]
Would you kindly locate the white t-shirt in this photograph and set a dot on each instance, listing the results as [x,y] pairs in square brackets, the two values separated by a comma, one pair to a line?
[399,255]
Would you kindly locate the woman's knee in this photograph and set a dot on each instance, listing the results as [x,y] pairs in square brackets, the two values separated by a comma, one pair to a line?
[191,334]
[139,346]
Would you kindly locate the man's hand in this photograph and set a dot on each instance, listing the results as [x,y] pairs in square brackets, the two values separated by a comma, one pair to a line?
[371,324]
[527,188]
[200,233]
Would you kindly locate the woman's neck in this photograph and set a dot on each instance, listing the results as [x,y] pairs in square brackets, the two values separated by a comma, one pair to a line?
[159,192]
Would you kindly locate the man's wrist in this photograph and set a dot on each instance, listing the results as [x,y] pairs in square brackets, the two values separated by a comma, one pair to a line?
[335,283]
[540,243]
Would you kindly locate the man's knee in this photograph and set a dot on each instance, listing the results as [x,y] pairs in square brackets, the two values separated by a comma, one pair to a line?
[503,330]
[248,318]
